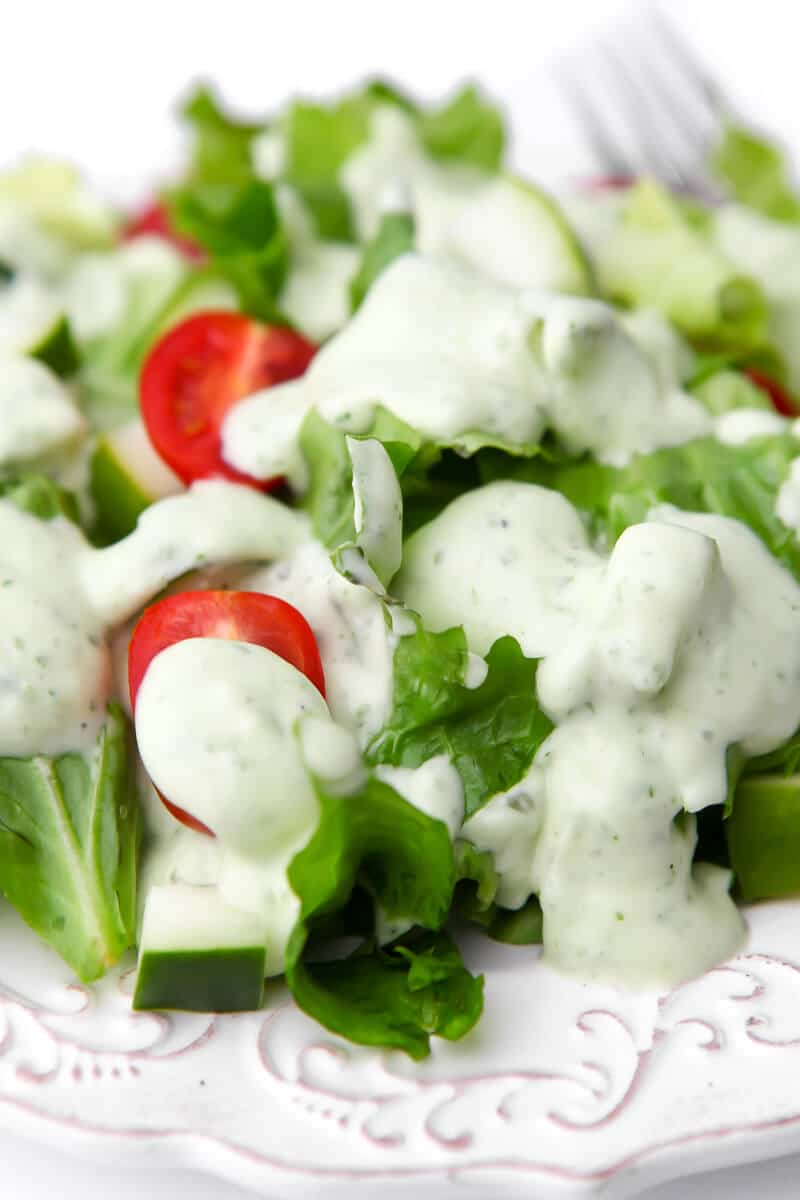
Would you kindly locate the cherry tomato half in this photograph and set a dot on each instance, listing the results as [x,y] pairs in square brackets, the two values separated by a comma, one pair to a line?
[197,372]
[782,401]
[154,219]
[241,616]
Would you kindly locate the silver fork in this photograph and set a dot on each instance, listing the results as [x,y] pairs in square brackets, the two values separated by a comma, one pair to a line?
[648,106]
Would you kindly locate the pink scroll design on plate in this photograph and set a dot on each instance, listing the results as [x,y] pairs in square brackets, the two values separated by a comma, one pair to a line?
[458,1114]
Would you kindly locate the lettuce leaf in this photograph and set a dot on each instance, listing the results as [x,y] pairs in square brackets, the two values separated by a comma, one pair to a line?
[756,173]
[468,129]
[319,138]
[376,841]
[700,476]
[39,496]
[220,144]
[69,840]
[475,900]
[723,391]
[237,223]
[490,732]
[395,237]
[430,474]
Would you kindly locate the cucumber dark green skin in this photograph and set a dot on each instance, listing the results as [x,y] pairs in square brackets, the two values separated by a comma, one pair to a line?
[57,350]
[117,498]
[763,833]
[222,980]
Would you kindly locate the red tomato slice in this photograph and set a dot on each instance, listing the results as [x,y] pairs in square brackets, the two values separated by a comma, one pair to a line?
[154,219]
[782,401]
[608,183]
[240,616]
[198,371]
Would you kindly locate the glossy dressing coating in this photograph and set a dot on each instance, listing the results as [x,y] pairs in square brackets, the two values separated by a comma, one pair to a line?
[454,354]
[59,596]
[657,658]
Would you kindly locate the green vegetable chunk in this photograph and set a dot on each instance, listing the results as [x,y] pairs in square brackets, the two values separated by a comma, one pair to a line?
[469,129]
[218,981]
[199,954]
[395,237]
[376,841]
[763,833]
[57,350]
[69,839]
[657,258]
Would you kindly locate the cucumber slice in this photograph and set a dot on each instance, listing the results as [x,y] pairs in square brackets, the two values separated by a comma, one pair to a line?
[517,234]
[56,349]
[54,193]
[199,954]
[763,833]
[657,257]
[33,323]
[126,476]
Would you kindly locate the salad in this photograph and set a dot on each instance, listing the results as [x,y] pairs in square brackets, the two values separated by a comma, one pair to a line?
[388,545]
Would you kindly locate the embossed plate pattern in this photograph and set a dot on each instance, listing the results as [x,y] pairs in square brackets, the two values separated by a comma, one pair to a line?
[563,1089]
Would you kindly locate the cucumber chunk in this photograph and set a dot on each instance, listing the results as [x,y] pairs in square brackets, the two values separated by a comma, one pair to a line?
[518,234]
[126,476]
[763,833]
[199,954]
[56,348]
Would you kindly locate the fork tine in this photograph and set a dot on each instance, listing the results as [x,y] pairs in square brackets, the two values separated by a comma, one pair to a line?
[644,123]
[691,127]
[604,145]
[689,64]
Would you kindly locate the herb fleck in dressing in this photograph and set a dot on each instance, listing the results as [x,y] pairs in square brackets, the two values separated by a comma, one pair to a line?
[685,640]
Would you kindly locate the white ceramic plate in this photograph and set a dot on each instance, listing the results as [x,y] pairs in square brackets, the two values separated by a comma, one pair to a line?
[563,1090]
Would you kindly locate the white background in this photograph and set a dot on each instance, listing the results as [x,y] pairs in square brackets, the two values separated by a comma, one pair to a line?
[96,81]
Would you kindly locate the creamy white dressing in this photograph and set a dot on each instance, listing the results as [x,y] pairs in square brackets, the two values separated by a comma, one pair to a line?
[215,725]
[435,788]
[316,294]
[106,287]
[394,155]
[508,827]
[28,309]
[377,505]
[682,642]
[788,502]
[349,622]
[738,426]
[212,522]
[454,354]
[59,596]
[230,731]
[38,415]
[672,357]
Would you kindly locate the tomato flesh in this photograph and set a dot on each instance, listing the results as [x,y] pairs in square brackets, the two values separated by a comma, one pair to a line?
[197,372]
[154,220]
[782,401]
[240,616]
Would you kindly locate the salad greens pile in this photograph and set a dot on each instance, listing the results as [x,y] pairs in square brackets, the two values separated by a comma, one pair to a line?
[273,221]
